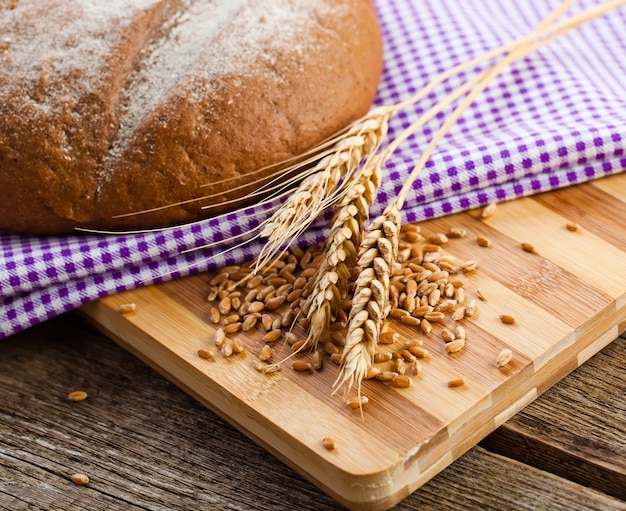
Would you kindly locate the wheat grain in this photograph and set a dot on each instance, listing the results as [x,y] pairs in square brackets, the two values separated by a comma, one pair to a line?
[329,444]
[77,396]
[80,479]
[572,226]
[206,354]
[127,308]
[488,211]
[504,357]
[507,319]
[456,382]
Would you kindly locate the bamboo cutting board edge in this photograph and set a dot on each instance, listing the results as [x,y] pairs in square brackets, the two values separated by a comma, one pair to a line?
[567,334]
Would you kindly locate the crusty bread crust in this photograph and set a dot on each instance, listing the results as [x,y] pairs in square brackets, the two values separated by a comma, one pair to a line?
[116,107]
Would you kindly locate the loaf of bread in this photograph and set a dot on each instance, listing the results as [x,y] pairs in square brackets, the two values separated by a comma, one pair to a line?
[121,114]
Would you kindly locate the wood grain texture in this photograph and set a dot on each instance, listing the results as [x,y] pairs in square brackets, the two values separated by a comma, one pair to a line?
[148,446]
[569,300]
[578,429]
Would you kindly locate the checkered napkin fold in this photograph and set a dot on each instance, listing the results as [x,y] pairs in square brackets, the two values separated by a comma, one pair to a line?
[555,118]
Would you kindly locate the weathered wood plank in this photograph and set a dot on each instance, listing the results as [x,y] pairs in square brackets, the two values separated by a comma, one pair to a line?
[578,429]
[148,446]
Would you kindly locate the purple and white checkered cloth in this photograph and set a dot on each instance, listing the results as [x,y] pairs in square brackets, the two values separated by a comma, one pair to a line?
[555,118]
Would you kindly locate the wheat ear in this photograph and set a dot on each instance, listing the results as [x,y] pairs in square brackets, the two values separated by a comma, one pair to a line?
[323,187]
[329,285]
[370,303]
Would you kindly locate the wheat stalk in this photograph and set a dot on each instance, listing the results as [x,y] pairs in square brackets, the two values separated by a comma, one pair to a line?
[362,336]
[329,285]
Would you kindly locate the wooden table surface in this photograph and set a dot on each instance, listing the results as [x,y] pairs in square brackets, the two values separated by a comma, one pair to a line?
[146,445]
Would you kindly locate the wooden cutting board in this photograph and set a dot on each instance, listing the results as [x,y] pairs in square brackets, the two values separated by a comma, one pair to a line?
[569,301]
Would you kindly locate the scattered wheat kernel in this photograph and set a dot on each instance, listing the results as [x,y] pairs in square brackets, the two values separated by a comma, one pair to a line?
[249,322]
[529,247]
[456,382]
[419,352]
[398,313]
[220,337]
[470,310]
[267,322]
[231,318]
[407,355]
[80,479]
[431,247]
[254,282]
[259,365]
[386,375]
[357,402]
[507,319]
[438,275]
[301,365]
[125,308]
[329,443]
[274,302]
[438,239]
[256,306]
[425,326]
[456,345]
[77,396]
[225,305]
[218,279]
[483,242]
[410,227]
[388,337]
[316,360]
[300,345]
[214,315]
[235,302]
[335,358]
[415,368]
[481,295]
[488,211]
[456,232]
[412,236]
[227,349]
[400,366]
[206,354]
[402,381]
[447,335]
[266,353]
[381,357]
[411,343]
[410,321]
[435,316]
[271,368]
[330,348]
[469,266]
[232,328]
[572,226]
[272,335]
[504,357]
[459,294]
[287,318]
